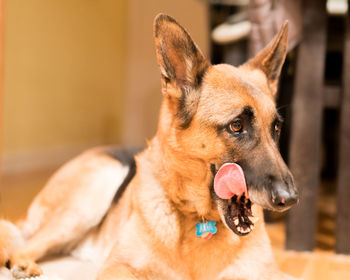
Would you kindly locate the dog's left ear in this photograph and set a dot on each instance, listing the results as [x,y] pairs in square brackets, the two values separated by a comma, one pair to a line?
[270,60]
[180,60]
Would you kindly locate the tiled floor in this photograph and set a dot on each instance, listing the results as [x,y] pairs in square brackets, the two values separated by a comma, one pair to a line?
[16,193]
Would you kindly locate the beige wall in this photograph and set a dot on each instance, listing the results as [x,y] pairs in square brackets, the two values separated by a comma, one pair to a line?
[64,75]
[80,73]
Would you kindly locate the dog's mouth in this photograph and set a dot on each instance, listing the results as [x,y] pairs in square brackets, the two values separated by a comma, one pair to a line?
[238,215]
[233,199]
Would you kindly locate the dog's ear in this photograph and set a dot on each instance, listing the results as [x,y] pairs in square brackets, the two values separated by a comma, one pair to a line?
[270,60]
[181,62]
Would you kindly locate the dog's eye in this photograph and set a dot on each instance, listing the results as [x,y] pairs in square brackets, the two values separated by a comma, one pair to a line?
[235,126]
[277,128]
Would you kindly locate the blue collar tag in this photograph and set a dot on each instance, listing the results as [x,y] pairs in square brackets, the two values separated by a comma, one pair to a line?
[206,230]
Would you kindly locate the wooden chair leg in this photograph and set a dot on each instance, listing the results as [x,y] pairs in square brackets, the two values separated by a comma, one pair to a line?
[306,126]
[343,189]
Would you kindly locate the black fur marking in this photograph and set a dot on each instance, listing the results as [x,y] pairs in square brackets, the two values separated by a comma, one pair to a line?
[200,75]
[213,169]
[186,124]
[8,264]
[127,180]
[212,191]
[125,157]
[184,113]
[182,103]
[247,110]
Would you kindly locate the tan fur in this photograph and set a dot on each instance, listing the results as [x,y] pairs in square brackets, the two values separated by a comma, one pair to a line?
[150,232]
[10,238]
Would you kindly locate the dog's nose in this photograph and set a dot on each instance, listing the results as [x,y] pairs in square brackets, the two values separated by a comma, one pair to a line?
[283,196]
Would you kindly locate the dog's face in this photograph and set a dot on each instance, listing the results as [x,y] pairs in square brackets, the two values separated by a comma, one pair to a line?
[225,114]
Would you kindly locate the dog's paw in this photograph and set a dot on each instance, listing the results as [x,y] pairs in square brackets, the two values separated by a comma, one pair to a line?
[25,269]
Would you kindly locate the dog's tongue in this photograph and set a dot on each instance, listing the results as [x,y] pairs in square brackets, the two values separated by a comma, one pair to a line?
[230,181]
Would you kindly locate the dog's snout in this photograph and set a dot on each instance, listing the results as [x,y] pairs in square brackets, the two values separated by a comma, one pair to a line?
[282,195]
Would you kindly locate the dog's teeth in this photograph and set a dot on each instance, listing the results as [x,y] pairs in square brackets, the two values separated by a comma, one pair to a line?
[251,227]
[240,229]
[247,230]
[236,221]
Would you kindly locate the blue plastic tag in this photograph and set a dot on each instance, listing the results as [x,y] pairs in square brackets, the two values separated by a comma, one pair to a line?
[206,230]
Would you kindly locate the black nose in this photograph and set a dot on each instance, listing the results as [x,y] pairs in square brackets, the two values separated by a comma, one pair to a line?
[283,196]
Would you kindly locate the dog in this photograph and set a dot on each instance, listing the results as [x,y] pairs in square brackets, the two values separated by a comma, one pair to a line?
[189,205]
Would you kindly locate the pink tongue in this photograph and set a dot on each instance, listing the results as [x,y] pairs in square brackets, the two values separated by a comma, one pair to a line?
[230,181]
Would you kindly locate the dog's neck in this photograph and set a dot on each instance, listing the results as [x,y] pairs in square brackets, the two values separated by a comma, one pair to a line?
[186,181]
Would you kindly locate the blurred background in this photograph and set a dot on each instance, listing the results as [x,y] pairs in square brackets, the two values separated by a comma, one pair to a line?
[82,73]
[78,74]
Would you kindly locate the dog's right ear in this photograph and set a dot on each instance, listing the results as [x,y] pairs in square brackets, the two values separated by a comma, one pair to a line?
[270,60]
[181,62]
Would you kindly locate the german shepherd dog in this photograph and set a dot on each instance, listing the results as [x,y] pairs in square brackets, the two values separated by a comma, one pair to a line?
[211,168]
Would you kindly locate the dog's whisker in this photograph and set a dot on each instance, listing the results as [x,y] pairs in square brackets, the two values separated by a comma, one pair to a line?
[283,107]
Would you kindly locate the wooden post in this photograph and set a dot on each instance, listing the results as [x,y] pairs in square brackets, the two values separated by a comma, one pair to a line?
[306,126]
[343,189]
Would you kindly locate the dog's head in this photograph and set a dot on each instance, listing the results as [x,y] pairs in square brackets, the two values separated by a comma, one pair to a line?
[217,114]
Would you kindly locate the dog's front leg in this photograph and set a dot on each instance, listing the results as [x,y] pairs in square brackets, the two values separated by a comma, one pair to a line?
[116,271]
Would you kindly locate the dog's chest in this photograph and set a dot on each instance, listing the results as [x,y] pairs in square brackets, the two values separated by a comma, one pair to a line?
[206,259]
